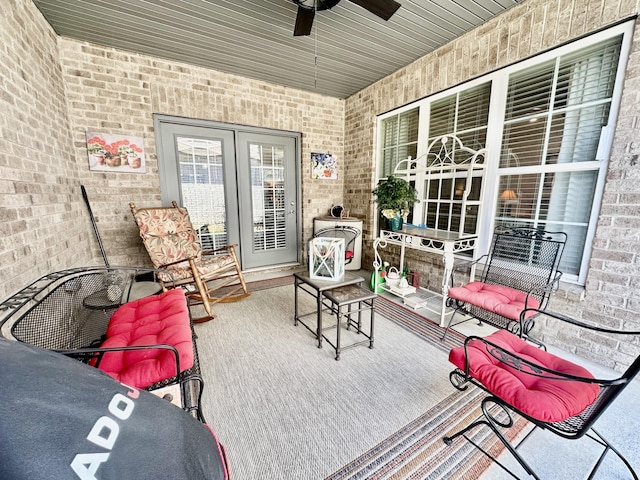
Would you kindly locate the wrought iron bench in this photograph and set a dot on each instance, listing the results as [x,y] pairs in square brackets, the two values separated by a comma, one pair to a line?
[520,272]
[71,312]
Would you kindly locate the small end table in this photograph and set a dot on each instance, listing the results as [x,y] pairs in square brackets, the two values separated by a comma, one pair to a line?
[348,296]
[316,288]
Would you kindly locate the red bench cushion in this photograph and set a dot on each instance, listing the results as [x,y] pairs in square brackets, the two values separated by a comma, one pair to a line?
[158,319]
[543,399]
[504,301]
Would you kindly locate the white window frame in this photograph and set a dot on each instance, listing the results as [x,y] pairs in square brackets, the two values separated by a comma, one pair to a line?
[500,80]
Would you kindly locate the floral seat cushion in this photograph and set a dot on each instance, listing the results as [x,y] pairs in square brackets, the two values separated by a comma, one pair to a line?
[160,319]
[545,399]
[504,301]
[205,266]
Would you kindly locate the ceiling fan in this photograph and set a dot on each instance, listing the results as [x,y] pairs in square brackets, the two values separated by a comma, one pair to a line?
[307,10]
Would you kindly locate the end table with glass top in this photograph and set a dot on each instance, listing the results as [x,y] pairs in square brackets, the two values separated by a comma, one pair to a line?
[316,288]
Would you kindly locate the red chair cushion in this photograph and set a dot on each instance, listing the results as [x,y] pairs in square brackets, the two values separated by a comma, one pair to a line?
[158,319]
[504,301]
[544,399]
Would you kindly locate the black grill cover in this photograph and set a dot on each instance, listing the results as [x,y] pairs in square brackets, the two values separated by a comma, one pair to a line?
[61,419]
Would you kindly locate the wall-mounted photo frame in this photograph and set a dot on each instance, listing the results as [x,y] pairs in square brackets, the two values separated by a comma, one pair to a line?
[324,166]
[115,153]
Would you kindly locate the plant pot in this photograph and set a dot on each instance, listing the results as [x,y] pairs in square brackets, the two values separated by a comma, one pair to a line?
[395,223]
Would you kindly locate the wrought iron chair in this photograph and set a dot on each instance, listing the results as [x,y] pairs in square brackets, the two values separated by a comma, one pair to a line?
[521,272]
[341,231]
[172,244]
[552,393]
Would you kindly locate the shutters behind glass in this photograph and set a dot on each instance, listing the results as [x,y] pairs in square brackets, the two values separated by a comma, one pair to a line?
[554,119]
[240,186]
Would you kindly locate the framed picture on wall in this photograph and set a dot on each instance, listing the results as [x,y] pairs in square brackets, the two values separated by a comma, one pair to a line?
[324,166]
[115,153]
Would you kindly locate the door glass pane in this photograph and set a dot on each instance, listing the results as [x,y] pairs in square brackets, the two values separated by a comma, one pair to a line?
[268,196]
[202,188]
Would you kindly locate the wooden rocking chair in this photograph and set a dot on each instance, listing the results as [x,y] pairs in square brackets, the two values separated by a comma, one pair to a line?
[552,393]
[172,244]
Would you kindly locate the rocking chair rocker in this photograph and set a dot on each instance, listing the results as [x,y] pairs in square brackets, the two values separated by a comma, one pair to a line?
[172,244]
[550,392]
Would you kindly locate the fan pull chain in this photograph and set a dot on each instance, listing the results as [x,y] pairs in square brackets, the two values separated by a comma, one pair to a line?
[315,47]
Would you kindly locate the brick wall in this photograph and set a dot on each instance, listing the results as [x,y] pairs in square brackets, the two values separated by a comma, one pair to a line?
[612,293]
[118,92]
[43,221]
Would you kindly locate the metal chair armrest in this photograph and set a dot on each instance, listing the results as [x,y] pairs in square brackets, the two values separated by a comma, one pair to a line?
[97,353]
[462,266]
[577,323]
[468,264]
[531,368]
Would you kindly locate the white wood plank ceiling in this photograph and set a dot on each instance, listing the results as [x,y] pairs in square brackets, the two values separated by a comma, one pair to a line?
[254,38]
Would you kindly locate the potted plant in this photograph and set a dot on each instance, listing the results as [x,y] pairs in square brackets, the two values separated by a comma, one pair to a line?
[395,196]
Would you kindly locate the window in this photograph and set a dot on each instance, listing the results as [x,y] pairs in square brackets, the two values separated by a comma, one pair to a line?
[547,124]
[553,124]
[399,139]
[464,114]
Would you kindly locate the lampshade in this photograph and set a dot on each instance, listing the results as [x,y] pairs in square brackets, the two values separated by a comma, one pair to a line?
[508,195]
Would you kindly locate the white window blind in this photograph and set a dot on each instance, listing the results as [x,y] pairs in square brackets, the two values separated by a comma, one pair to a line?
[553,122]
[464,114]
[399,139]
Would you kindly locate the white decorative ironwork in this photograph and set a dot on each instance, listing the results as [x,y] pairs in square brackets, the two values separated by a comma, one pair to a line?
[446,157]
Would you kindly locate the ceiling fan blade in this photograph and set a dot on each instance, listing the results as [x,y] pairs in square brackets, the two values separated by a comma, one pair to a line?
[382,8]
[304,22]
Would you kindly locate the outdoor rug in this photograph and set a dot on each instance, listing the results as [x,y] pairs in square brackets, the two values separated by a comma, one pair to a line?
[417,451]
[286,409]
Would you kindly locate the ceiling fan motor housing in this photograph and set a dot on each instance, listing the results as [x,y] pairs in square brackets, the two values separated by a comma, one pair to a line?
[321,4]
[307,11]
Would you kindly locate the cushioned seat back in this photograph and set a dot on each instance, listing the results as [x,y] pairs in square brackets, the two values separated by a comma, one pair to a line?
[167,234]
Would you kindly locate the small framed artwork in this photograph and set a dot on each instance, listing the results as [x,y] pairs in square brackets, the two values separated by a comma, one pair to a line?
[324,166]
[115,153]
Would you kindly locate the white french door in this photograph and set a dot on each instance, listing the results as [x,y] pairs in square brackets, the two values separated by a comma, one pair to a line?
[239,184]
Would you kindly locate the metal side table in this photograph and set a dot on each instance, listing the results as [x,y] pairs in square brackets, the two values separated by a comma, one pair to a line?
[349,296]
[317,288]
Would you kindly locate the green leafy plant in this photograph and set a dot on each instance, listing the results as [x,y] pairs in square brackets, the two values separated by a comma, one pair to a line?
[395,196]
